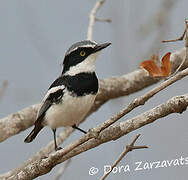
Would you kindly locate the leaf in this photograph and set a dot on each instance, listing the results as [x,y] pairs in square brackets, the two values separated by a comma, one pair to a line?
[154,70]
[151,67]
[166,65]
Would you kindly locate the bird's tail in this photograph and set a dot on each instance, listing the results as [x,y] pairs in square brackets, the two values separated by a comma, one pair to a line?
[33,134]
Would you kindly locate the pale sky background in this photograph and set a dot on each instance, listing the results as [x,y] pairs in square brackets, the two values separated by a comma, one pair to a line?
[34,36]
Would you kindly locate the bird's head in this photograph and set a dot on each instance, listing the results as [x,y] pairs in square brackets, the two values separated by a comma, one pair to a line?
[81,57]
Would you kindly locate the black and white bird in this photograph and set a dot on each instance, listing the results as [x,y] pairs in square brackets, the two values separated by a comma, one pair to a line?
[70,96]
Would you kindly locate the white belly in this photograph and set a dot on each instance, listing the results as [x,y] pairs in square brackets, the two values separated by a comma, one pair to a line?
[69,112]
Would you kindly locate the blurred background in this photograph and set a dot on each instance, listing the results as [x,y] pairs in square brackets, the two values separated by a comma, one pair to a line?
[34,36]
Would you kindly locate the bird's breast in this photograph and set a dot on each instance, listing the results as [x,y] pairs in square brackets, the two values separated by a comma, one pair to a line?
[69,111]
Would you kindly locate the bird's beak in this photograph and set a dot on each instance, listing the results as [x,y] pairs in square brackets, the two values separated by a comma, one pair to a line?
[99,47]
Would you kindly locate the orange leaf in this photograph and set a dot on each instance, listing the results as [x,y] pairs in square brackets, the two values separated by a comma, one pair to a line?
[151,67]
[154,70]
[166,65]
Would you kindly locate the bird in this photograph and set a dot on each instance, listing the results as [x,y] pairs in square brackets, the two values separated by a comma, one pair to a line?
[70,97]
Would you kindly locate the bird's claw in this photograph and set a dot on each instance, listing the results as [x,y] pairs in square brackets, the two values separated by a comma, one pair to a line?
[93,133]
[58,148]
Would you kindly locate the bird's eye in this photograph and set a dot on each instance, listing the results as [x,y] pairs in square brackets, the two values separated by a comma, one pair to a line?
[82,53]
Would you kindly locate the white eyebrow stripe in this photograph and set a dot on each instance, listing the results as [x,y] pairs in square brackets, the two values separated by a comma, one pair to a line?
[83,46]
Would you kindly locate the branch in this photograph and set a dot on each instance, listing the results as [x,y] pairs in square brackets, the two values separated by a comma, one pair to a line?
[131,106]
[43,153]
[92,18]
[128,148]
[177,104]
[175,40]
[142,99]
[135,103]
[110,88]
[17,122]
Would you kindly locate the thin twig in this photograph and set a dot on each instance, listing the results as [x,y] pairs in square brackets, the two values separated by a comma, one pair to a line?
[45,165]
[62,169]
[142,100]
[176,104]
[92,18]
[3,88]
[128,148]
[103,20]
[175,40]
[185,34]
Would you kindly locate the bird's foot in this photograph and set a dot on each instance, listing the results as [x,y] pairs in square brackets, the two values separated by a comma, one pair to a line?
[81,130]
[58,148]
[44,157]
[93,133]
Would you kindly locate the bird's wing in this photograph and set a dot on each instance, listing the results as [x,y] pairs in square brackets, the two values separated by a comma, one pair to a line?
[54,94]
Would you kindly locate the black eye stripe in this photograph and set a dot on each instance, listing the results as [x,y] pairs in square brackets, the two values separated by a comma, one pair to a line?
[75,58]
[86,50]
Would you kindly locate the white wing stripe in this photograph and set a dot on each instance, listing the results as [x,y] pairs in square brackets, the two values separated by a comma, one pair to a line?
[52,90]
